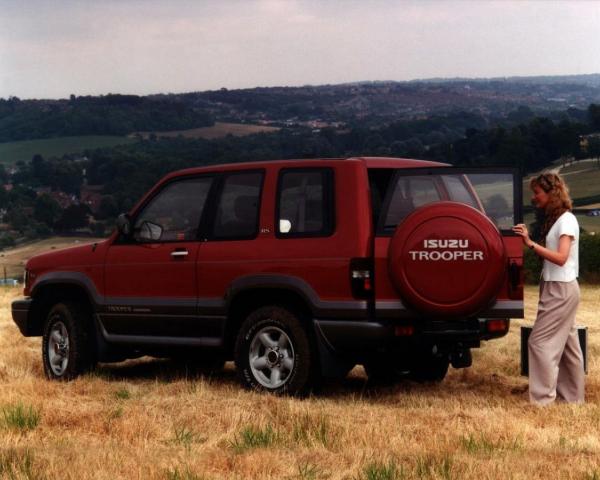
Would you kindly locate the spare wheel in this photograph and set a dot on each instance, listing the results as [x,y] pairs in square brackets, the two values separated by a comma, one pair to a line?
[447,259]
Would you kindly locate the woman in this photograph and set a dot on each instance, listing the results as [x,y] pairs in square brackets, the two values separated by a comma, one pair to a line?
[555,357]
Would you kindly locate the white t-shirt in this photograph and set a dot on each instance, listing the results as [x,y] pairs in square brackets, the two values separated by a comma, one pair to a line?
[566,224]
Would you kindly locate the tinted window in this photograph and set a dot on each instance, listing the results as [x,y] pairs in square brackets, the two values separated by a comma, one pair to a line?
[174,213]
[305,203]
[496,192]
[238,206]
[458,191]
[409,194]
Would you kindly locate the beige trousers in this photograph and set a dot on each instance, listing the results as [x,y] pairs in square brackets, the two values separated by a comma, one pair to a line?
[555,357]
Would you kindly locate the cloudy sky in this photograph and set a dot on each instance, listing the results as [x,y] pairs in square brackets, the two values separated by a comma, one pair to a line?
[54,48]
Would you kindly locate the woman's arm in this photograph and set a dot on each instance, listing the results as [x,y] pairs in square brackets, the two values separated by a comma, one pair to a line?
[559,258]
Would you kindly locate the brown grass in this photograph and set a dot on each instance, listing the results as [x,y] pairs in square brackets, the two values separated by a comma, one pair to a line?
[218,130]
[151,419]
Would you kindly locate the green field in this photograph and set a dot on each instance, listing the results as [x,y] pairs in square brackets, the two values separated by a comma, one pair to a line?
[12,152]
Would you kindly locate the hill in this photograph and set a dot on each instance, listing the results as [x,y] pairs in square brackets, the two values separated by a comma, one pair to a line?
[103,115]
[364,104]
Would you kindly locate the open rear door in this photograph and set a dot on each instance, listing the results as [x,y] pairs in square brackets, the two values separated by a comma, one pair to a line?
[444,244]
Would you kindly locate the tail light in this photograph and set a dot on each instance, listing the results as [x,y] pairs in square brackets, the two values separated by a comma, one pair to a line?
[26,279]
[497,326]
[404,330]
[361,277]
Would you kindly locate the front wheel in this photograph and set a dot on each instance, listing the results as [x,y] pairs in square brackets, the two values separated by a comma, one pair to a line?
[274,352]
[67,347]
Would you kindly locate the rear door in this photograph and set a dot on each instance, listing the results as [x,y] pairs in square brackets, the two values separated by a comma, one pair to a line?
[397,193]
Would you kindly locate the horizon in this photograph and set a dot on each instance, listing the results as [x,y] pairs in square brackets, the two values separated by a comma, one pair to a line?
[507,78]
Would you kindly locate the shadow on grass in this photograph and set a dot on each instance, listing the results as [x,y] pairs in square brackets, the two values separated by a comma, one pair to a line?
[164,370]
[355,385]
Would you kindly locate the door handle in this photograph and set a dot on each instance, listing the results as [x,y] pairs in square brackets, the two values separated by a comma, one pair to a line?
[179,253]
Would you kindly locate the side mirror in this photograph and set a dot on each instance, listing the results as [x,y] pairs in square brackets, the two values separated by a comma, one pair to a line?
[149,232]
[124,225]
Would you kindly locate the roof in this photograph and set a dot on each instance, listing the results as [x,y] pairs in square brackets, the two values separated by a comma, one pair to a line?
[371,162]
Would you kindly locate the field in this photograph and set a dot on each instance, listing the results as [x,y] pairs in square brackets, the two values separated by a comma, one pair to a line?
[14,259]
[218,130]
[153,419]
[12,152]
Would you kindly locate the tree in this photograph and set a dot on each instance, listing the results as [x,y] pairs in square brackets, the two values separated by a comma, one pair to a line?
[594,116]
[46,210]
[40,168]
[73,217]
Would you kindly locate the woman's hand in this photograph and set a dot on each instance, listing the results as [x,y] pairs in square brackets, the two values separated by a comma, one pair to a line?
[521,230]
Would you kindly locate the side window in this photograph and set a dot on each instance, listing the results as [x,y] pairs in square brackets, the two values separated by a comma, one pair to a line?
[305,203]
[174,213]
[237,212]
[409,194]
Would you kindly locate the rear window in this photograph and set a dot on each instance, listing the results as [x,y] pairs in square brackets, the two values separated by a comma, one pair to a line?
[397,193]
[304,203]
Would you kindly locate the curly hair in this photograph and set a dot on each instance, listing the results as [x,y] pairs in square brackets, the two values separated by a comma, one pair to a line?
[559,200]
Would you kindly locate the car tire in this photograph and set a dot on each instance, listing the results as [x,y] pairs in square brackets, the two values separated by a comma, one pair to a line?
[430,368]
[275,353]
[67,344]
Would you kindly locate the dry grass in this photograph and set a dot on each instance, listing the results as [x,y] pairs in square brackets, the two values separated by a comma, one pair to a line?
[151,419]
[218,130]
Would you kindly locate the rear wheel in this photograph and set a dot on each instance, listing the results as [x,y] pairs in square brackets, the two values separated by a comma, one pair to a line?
[429,368]
[67,345]
[386,369]
[274,352]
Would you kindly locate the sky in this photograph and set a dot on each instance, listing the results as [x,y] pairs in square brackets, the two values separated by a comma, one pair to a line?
[54,48]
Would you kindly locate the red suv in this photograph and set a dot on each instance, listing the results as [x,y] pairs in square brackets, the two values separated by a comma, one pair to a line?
[295,269]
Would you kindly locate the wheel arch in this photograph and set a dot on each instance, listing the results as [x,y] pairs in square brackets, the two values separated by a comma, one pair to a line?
[49,292]
[245,301]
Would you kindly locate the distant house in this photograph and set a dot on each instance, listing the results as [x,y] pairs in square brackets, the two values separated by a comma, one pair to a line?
[584,140]
[91,195]
[63,199]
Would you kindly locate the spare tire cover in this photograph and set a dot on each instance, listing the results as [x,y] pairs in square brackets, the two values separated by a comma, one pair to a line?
[447,259]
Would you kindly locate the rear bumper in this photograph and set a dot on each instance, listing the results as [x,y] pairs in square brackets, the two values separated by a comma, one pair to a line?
[20,314]
[344,336]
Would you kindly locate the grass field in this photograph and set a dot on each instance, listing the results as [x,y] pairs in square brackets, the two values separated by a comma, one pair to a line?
[12,152]
[151,419]
[218,130]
